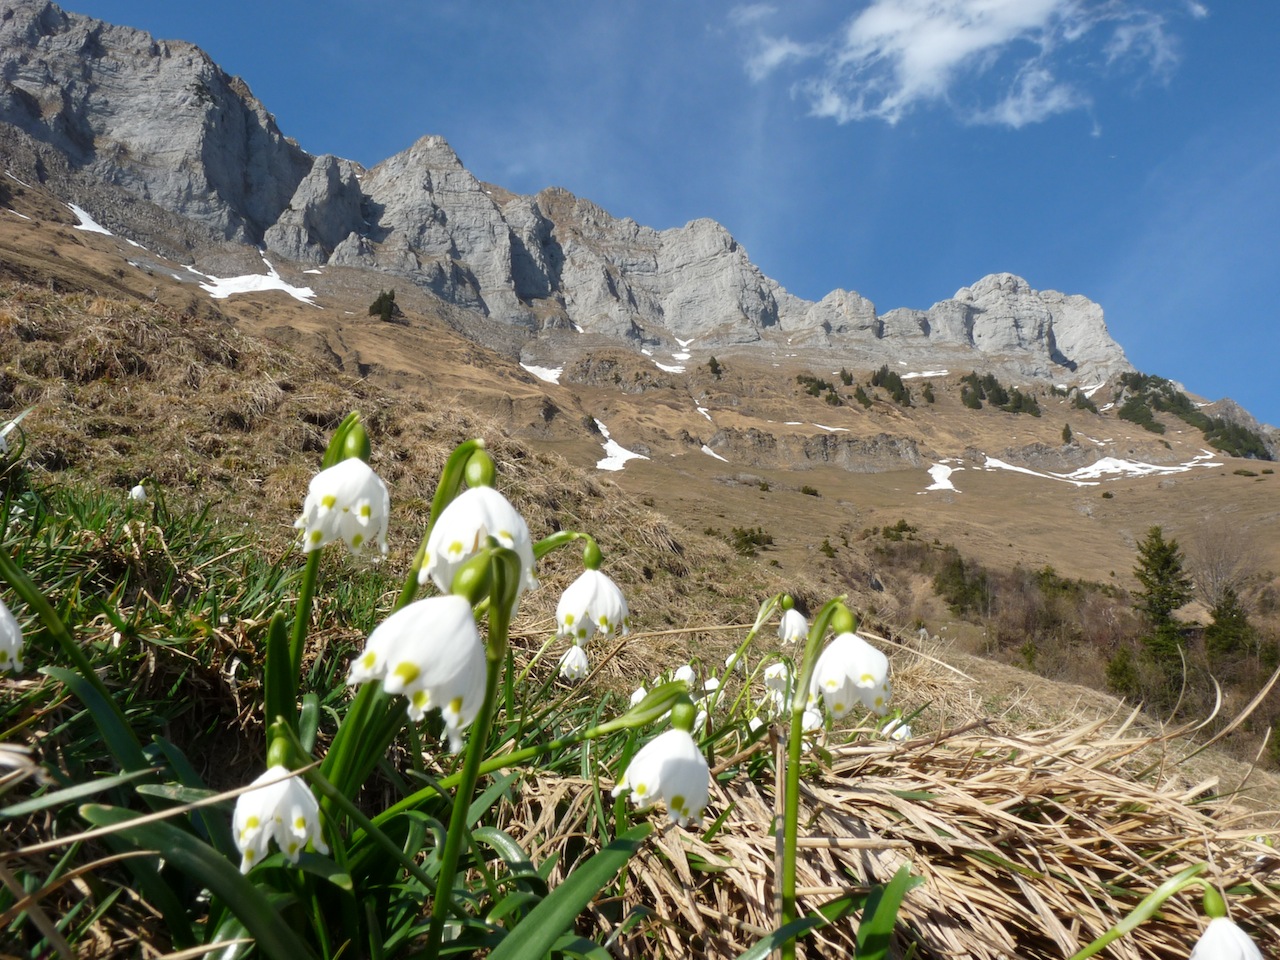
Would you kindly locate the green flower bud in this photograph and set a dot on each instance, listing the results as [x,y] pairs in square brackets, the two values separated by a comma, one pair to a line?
[843,620]
[473,580]
[480,471]
[684,714]
[591,555]
[280,753]
[787,602]
[1214,905]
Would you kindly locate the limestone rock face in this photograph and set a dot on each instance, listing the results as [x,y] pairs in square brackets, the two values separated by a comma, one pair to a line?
[157,118]
[325,209]
[156,128]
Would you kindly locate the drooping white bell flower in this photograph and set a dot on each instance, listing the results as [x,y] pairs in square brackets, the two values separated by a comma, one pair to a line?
[895,729]
[462,530]
[11,641]
[777,680]
[735,663]
[430,651]
[793,627]
[138,493]
[285,811]
[851,671]
[670,767]
[1223,940]
[638,694]
[348,502]
[592,603]
[574,665]
[686,674]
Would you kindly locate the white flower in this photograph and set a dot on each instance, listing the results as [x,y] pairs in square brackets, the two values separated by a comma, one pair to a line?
[711,685]
[431,652]
[574,665]
[754,724]
[463,530]
[638,694]
[735,663]
[671,767]
[10,641]
[347,501]
[777,679]
[793,626]
[1223,940]
[139,493]
[895,729]
[686,674]
[592,602]
[850,671]
[285,810]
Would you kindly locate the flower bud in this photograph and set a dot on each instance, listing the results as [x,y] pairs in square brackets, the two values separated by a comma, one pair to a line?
[480,471]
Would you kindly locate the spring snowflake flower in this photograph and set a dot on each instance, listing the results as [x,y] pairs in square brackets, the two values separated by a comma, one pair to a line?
[638,694]
[10,641]
[850,671]
[574,665]
[794,627]
[896,730]
[777,678]
[735,663]
[431,652]
[1223,940]
[138,493]
[686,674]
[463,530]
[285,810]
[349,502]
[592,602]
[670,767]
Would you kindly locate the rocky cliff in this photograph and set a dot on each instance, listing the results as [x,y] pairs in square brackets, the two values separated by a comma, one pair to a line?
[140,131]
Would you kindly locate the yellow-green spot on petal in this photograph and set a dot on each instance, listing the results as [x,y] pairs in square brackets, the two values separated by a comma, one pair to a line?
[368,660]
[366,511]
[356,540]
[316,536]
[406,671]
[421,699]
[455,705]
[300,823]
[568,619]
[252,823]
[328,501]
[456,548]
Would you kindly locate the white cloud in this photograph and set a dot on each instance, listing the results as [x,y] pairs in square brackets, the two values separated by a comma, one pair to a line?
[992,61]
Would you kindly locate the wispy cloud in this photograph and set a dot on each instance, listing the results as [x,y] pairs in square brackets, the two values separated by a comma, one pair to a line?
[1008,62]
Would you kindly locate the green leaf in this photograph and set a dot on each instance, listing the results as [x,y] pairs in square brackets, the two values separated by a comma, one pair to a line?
[214,824]
[545,923]
[774,941]
[875,932]
[69,794]
[309,722]
[106,715]
[200,861]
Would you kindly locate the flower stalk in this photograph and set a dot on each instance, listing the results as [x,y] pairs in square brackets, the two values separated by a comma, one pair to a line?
[833,611]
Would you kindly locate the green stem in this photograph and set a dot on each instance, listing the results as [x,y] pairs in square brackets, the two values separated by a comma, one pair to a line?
[302,618]
[1144,910]
[495,656]
[791,784]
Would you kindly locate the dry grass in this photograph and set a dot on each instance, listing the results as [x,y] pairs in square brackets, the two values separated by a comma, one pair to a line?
[1029,845]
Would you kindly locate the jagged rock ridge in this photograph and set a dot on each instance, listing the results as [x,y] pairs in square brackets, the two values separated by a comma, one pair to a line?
[156,125]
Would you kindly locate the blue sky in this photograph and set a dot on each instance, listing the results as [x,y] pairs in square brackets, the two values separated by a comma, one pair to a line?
[1127,150]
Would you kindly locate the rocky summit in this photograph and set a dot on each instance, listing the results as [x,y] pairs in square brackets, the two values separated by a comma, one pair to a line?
[159,145]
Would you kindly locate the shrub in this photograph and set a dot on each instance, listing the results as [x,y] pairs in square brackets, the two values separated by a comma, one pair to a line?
[384,306]
[810,491]
[714,368]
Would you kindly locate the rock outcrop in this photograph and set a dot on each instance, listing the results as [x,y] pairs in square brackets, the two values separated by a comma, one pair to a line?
[158,126]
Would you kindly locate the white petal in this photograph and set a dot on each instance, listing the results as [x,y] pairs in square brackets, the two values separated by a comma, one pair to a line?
[1223,940]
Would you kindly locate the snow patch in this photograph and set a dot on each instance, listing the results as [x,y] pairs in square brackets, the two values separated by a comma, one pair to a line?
[711,453]
[578,328]
[685,343]
[17,214]
[647,352]
[823,426]
[1090,391]
[549,374]
[615,455]
[680,356]
[317,270]
[992,463]
[941,474]
[222,287]
[925,373]
[666,369]
[703,411]
[87,223]
[1110,466]
[16,180]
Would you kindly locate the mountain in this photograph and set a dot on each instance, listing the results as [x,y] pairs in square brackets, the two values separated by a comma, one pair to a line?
[159,145]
